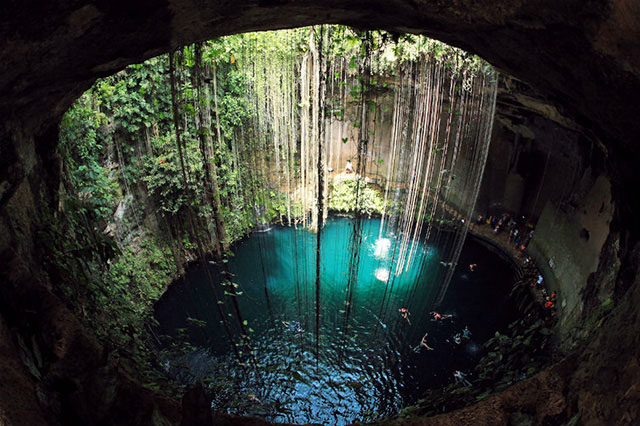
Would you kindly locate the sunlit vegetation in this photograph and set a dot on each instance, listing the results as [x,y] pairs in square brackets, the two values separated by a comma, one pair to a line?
[173,160]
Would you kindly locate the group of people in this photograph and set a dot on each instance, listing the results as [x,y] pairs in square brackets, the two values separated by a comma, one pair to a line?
[458,338]
[520,237]
[464,335]
[549,298]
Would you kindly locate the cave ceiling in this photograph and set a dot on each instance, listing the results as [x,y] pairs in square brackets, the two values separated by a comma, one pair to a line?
[582,56]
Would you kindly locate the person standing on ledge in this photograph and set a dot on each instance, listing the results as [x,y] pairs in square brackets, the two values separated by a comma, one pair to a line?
[349,167]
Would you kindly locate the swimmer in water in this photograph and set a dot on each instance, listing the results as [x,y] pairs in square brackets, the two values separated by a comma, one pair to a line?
[438,317]
[457,339]
[461,378]
[423,342]
[404,312]
[473,266]
[466,333]
[293,326]
[253,398]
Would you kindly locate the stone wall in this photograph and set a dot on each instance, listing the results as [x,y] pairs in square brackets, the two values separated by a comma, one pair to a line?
[584,57]
[567,245]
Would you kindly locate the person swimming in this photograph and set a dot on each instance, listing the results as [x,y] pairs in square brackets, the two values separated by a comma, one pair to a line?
[457,339]
[293,326]
[461,378]
[473,266]
[466,333]
[404,312]
[423,343]
[439,317]
[253,398]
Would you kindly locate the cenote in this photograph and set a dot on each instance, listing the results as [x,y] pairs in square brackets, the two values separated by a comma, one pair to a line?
[322,224]
[282,213]
[365,366]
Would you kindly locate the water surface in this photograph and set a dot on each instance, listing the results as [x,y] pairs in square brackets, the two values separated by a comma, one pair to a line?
[364,366]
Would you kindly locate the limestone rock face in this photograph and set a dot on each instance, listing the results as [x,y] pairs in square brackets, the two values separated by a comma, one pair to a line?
[580,57]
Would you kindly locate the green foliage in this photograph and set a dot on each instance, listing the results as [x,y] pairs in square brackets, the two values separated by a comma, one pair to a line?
[134,282]
[342,196]
[119,142]
[93,186]
[163,176]
[111,290]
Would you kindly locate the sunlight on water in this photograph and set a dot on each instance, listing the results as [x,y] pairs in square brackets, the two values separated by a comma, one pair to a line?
[382,247]
[382,274]
[364,367]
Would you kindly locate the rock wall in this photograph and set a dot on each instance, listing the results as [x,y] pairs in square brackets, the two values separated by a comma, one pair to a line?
[547,169]
[567,245]
[583,57]
[535,155]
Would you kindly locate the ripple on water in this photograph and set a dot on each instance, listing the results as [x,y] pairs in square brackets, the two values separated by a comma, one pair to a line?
[362,368]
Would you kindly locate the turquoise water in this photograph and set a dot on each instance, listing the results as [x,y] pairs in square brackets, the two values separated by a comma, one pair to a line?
[356,368]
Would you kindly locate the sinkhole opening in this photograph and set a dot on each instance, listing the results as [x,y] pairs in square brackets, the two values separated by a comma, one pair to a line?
[309,193]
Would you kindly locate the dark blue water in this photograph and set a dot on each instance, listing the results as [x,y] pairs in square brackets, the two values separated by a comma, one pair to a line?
[364,367]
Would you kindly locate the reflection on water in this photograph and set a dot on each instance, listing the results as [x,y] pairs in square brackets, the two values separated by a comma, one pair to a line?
[381,248]
[364,367]
[382,274]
